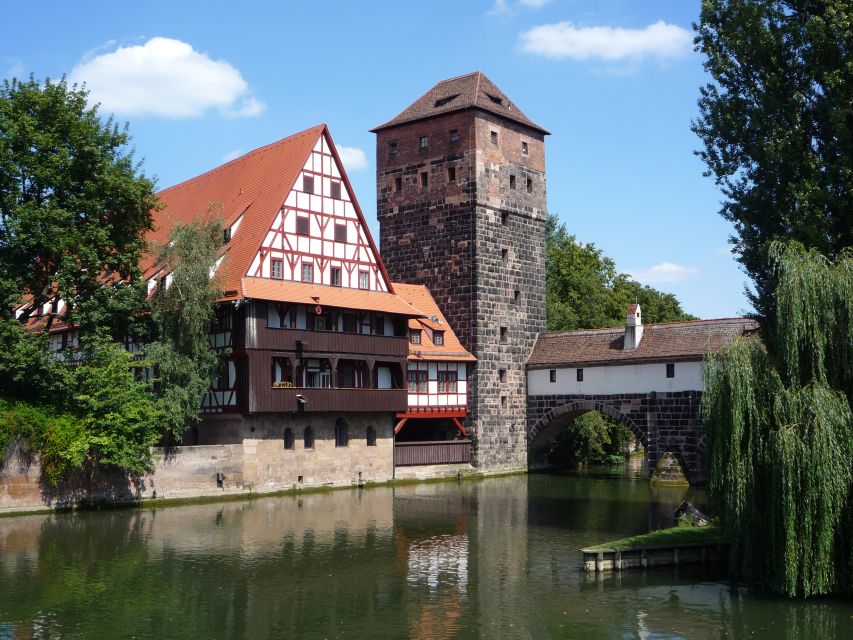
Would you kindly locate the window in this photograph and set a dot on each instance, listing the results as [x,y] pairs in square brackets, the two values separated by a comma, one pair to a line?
[503,402]
[308,184]
[552,375]
[335,190]
[398,184]
[438,338]
[350,323]
[443,101]
[494,137]
[504,254]
[424,179]
[454,135]
[307,272]
[451,174]
[424,142]
[580,375]
[415,336]
[363,280]
[418,381]
[503,334]
[371,436]
[516,296]
[303,225]
[512,182]
[308,437]
[340,232]
[341,433]
[670,369]
[276,268]
[501,375]
[392,148]
[530,185]
[524,148]
[226,235]
[335,278]
[447,382]
[504,217]
[288,438]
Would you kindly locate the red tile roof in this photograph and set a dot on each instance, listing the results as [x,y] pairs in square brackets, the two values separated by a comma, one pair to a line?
[689,340]
[433,320]
[471,91]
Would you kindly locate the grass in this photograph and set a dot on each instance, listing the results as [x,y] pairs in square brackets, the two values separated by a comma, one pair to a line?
[664,538]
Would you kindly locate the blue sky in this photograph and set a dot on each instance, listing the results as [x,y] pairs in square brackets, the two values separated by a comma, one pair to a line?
[615,81]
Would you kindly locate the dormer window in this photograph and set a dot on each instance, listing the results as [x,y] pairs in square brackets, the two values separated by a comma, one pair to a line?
[443,101]
[495,99]
[226,235]
[415,336]
[438,338]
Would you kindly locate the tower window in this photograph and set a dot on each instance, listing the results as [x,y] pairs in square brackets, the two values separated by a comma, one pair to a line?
[335,190]
[303,225]
[494,137]
[503,335]
[308,184]
[276,268]
[529,185]
[552,375]
[454,135]
[424,179]
[524,148]
[502,375]
[580,375]
[516,296]
[335,277]
[307,272]
[340,232]
[424,142]
[398,184]
[512,182]
[670,369]
[451,174]
[503,402]
[392,149]
[504,254]
[504,217]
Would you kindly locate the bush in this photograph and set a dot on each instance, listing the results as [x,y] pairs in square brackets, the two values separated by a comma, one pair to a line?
[590,439]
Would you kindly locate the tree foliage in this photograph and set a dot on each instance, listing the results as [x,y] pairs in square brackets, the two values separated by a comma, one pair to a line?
[590,438]
[780,432]
[777,126]
[584,291]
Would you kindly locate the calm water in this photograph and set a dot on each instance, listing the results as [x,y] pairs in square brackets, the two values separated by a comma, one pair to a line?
[489,559]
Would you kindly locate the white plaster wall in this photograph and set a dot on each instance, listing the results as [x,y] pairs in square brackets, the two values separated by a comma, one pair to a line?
[615,379]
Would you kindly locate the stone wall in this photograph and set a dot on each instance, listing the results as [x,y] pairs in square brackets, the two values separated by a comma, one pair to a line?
[257,463]
[663,422]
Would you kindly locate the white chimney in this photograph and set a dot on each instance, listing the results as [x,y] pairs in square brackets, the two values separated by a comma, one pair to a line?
[633,327]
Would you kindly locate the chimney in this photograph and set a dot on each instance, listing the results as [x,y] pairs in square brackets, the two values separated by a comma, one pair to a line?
[633,328]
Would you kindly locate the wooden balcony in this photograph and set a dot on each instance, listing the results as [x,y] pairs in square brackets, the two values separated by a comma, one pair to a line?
[327,342]
[408,454]
[284,400]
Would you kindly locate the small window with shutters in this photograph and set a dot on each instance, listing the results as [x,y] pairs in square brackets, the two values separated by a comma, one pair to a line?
[335,190]
[303,225]
[340,232]
[308,184]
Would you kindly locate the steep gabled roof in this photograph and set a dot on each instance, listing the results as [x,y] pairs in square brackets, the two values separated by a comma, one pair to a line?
[471,91]
[689,340]
[433,320]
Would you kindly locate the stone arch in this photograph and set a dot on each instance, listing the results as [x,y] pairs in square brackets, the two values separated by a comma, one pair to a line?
[546,429]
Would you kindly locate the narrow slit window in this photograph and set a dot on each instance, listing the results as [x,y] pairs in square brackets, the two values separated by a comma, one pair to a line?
[501,375]
[424,179]
[398,184]
[524,149]
[529,185]
[580,375]
[552,375]
[392,149]
[516,297]
[494,137]
[451,174]
[512,182]
[503,335]
[670,369]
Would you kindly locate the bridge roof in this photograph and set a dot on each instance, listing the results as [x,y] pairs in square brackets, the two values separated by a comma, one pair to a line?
[670,341]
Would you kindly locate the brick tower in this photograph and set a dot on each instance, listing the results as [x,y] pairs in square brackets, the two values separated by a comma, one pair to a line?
[460,182]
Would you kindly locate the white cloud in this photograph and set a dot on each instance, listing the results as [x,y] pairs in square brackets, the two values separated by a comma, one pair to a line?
[534,4]
[164,77]
[565,40]
[232,155]
[665,272]
[353,158]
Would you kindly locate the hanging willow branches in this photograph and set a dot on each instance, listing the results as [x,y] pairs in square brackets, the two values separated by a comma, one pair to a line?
[780,433]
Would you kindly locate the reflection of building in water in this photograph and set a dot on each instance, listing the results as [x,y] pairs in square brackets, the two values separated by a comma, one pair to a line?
[440,560]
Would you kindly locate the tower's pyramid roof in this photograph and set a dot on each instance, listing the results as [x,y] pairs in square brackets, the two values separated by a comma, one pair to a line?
[471,91]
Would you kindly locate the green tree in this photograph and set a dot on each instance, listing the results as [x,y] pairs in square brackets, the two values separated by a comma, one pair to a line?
[583,290]
[780,432]
[74,207]
[590,438]
[183,312]
[777,127]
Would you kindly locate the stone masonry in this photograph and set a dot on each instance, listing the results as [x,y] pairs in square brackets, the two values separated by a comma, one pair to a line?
[465,216]
[662,422]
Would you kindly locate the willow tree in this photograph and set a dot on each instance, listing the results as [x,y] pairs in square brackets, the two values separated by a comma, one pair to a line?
[780,432]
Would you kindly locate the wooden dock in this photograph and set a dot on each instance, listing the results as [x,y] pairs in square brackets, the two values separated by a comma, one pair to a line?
[598,559]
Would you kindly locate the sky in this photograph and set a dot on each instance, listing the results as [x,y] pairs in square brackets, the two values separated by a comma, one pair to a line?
[614,81]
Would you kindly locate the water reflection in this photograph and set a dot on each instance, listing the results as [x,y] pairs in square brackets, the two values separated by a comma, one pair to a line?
[490,559]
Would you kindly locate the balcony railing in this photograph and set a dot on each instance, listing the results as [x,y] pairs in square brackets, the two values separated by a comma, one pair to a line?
[408,454]
[289,399]
[326,342]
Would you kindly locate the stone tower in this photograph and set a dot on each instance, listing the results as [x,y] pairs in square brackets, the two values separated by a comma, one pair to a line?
[460,182]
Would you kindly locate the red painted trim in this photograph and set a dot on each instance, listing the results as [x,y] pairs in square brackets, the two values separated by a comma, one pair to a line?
[433,413]
[400,425]
[460,427]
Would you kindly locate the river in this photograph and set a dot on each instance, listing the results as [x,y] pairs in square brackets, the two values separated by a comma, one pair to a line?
[495,558]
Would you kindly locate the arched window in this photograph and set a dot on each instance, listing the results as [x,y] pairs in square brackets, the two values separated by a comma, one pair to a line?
[288,438]
[341,433]
[309,437]
[371,436]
